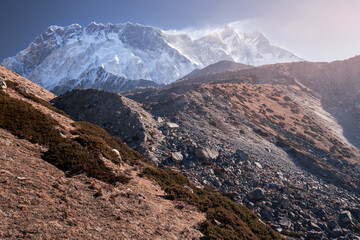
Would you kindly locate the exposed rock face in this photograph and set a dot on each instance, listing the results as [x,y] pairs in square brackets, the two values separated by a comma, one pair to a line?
[120,116]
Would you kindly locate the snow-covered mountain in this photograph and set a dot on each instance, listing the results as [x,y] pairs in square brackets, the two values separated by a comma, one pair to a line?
[61,56]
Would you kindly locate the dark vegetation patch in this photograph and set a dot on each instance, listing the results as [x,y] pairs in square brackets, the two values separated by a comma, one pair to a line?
[14,86]
[73,159]
[94,137]
[24,121]
[225,219]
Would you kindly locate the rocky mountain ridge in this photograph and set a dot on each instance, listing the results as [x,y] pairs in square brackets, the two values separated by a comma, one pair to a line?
[337,84]
[63,58]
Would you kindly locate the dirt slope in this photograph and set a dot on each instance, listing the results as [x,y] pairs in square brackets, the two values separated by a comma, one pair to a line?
[37,200]
[61,179]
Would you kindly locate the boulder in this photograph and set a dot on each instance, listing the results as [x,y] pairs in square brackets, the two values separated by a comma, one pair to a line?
[332,225]
[356,213]
[345,217]
[284,202]
[2,84]
[256,195]
[171,125]
[242,155]
[117,154]
[206,153]
[315,227]
[160,120]
[285,223]
[336,232]
[266,214]
[189,188]
[177,156]
[258,165]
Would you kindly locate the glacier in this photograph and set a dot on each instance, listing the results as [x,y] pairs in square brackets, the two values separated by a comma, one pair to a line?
[67,57]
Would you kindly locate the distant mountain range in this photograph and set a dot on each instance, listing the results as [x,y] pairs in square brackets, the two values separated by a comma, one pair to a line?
[63,58]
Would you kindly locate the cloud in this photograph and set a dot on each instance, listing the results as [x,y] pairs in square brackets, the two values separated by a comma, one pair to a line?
[316,30]
[195,33]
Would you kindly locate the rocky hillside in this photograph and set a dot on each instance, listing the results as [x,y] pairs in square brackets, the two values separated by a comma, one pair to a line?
[61,179]
[264,138]
[337,84]
[218,67]
[122,117]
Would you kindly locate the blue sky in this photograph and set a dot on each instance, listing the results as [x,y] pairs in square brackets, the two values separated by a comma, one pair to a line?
[317,30]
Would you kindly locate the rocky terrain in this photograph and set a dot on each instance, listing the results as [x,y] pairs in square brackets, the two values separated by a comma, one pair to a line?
[61,179]
[336,84]
[218,67]
[122,117]
[263,136]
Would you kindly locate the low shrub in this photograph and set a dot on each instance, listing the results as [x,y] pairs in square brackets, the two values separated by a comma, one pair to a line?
[97,144]
[74,159]
[14,86]
[225,219]
[24,121]
[93,136]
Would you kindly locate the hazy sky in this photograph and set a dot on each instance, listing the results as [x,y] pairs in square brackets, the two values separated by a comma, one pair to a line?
[316,30]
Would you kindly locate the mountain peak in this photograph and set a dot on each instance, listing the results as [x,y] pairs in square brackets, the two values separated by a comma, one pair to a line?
[94,24]
[134,51]
[53,28]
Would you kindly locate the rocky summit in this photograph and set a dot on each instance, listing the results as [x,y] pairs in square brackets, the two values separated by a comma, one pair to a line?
[270,137]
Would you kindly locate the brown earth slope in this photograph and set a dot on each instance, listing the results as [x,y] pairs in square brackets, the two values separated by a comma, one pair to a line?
[61,179]
[37,200]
